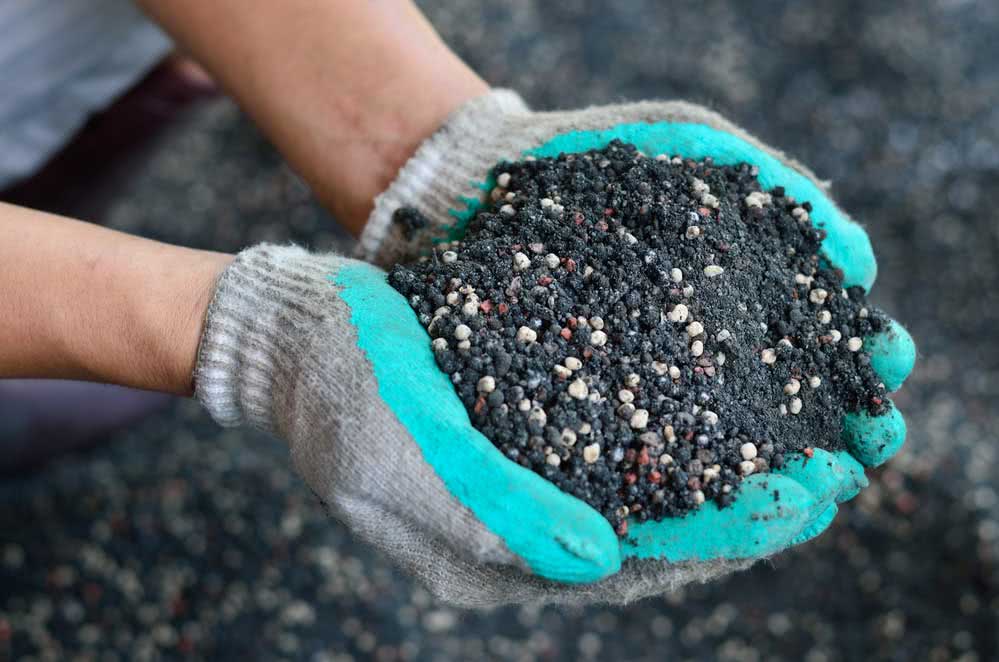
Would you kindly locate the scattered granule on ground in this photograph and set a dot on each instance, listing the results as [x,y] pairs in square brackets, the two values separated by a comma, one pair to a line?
[644,331]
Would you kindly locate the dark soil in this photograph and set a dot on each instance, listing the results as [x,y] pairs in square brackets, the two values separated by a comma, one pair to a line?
[583,255]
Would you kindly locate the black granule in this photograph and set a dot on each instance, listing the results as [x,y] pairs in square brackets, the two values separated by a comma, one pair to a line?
[575,258]
[410,220]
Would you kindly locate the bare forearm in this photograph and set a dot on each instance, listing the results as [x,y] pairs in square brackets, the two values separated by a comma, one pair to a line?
[346,89]
[78,301]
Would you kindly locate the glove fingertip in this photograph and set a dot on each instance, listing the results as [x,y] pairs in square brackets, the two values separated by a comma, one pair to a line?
[893,355]
[818,525]
[874,439]
[858,479]
[769,511]
[822,474]
[848,247]
[586,554]
[562,538]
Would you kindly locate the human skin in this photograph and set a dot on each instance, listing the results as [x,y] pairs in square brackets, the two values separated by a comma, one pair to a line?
[84,302]
[346,90]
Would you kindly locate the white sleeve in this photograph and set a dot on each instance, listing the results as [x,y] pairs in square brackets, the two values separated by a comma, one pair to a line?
[61,61]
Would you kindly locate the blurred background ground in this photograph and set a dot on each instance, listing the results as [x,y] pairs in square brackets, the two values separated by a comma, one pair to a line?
[177,539]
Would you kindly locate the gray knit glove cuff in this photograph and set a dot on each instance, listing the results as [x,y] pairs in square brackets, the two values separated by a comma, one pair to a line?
[251,347]
[440,172]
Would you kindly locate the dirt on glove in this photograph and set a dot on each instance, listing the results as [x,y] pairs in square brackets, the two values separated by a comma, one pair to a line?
[645,331]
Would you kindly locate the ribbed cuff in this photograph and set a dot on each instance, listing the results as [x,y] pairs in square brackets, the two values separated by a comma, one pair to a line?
[444,168]
[264,305]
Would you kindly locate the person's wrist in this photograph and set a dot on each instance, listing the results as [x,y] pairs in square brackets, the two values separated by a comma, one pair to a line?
[150,338]
[391,132]
[194,294]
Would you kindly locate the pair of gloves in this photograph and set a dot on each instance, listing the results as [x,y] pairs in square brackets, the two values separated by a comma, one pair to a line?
[320,351]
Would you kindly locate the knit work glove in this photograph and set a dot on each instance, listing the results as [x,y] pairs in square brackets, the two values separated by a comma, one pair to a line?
[449,179]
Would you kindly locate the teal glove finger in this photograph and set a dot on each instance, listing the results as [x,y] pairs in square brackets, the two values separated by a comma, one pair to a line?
[874,439]
[893,354]
[855,469]
[831,478]
[768,514]
[851,481]
[818,525]
[823,474]
[557,535]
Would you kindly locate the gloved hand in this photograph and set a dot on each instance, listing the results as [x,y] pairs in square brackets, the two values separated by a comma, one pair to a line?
[323,353]
[448,179]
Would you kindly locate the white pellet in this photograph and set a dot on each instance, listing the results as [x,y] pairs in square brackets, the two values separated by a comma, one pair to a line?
[679,314]
[818,295]
[526,334]
[639,419]
[578,389]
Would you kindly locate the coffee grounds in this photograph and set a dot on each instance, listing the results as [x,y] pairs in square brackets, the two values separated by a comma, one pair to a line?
[645,332]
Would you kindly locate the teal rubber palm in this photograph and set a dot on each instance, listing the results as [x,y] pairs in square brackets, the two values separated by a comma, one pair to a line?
[558,536]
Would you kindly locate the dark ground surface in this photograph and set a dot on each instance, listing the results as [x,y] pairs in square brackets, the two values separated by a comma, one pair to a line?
[177,536]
